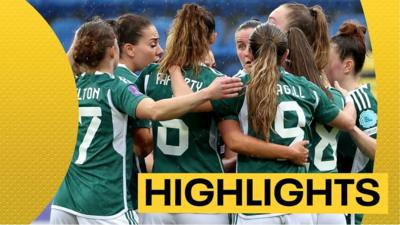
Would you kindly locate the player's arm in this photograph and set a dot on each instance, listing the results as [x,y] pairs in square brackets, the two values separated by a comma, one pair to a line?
[327,112]
[247,145]
[149,161]
[365,143]
[346,119]
[76,69]
[222,87]
[180,88]
[143,141]
[229,160]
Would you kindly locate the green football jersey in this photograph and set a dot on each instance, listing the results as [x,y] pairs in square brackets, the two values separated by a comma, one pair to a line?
[123,73]
[350,158]
[323,148]
[187,144]
[96,184]
[299,103]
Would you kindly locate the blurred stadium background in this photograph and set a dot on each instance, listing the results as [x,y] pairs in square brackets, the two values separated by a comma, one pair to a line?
[65,16]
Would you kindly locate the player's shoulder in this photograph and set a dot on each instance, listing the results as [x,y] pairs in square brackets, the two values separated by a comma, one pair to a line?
[120,69]
[124,74]
[243,75]
[293,79]
[363,98]
[206,70]
[337,96]
[96,77]
[335,92]
[151,68]
[368,90]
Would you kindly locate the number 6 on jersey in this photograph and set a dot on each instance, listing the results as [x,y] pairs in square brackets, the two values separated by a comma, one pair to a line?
[183,137]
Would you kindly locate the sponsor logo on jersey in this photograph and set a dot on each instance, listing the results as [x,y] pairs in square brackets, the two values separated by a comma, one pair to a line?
[368,119]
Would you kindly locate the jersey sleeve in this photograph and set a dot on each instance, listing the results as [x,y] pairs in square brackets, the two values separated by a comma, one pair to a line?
[338,98]
[325,110]
[126,98]
[229,109]
[142,123]
[140,83]
[366,106]
[141,80]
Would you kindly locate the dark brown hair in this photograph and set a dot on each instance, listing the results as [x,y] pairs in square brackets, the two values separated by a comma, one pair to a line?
[188,40]
[312,21]
[350,43]
[252,23]
[130,29]
[92,40]
[113,24]
[268,45]
[301,59]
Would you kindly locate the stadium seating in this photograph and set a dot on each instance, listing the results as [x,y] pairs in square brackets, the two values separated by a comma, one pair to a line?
[66,15]
[65,29]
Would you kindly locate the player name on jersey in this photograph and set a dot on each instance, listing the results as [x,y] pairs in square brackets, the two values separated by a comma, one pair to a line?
[88,93]
[195,85]
[290,90]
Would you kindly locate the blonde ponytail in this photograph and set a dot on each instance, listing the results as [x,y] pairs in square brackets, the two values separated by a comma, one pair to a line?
[268,45]
[262,90]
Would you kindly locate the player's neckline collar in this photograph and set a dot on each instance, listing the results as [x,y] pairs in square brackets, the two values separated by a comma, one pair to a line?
[125,67]
[96,73]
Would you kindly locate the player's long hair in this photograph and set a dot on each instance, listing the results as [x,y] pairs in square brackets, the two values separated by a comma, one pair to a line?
[188,39]
[301,59]
[92,40]
[312,21]
[268,45]
[349,42]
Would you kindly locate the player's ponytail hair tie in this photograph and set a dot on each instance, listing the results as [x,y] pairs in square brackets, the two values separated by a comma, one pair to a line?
[269,41]
[313,12]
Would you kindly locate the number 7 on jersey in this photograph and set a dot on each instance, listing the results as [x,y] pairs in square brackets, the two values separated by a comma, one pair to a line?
[95,113]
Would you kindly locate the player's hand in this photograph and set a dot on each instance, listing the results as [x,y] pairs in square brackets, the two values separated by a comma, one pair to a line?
[299,153]
[224,87]
[339,88]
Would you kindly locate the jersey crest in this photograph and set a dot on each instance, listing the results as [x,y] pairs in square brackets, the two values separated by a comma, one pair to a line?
[368,119]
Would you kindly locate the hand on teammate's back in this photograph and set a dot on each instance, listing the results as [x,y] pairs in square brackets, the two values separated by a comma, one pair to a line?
[225,87]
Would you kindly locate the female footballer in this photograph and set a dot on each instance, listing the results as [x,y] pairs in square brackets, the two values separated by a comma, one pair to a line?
[356,149]
[95,188]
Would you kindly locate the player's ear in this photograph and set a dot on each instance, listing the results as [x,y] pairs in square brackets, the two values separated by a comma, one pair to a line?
[112,52]
[348,65]
[284,57]
[213,37]
[129,49]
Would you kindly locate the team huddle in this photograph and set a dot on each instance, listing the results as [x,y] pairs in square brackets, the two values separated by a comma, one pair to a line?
[296,106]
